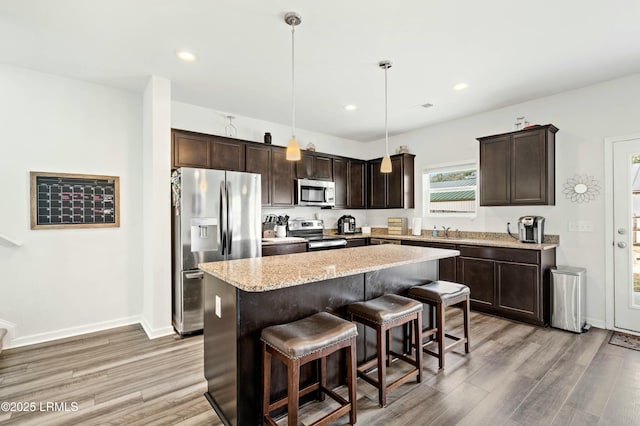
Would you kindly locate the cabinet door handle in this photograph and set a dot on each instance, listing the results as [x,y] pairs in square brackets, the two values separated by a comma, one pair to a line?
[622,244]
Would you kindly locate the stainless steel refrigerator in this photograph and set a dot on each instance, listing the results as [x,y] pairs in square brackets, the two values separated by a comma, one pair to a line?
[216,216]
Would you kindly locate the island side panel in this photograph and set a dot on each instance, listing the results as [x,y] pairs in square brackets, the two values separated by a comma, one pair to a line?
[258,310]
[220,348]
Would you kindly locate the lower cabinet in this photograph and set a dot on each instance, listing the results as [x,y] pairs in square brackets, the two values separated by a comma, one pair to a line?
[447,268]
[512,283]
[357,242]
[287,248]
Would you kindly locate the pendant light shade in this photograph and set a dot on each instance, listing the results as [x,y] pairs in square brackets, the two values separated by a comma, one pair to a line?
[385,166]
[293,148]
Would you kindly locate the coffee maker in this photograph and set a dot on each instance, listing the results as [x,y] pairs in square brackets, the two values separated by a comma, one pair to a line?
[531,229]
[346,225]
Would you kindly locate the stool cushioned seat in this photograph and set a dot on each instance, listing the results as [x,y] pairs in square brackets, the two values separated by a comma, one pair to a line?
[385,308]
[439,291]
[308,335]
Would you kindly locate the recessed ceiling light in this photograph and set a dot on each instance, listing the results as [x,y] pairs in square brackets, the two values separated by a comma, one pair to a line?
[186,56]
[350,107]
[460,86]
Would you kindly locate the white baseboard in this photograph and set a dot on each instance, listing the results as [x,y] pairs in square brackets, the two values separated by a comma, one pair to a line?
[598,323]
[7,338]
[157,332]
[71,331]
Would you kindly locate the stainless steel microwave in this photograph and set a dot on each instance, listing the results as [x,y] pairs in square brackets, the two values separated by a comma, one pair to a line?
[315,193]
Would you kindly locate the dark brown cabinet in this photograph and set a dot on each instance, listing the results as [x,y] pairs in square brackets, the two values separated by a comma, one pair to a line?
[314,166]
[518,168]
[282,178]
[258,160]
[285,248]
[447,268]
[357,185]
[513,283]
[190,150]
[357,242]
[341,180]
[395,189]
[226,154]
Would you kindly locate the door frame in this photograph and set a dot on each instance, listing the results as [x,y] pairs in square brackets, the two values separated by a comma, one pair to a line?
[609,235]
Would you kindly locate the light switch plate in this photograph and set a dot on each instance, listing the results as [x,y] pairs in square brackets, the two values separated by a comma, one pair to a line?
[218,306]
[580,226]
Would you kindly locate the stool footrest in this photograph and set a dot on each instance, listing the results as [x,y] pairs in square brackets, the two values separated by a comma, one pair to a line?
[283,401]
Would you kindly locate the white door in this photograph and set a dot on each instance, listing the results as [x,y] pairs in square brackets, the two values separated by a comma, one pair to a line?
[626,222]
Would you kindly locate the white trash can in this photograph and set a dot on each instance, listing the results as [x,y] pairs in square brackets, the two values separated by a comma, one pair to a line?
[568,298]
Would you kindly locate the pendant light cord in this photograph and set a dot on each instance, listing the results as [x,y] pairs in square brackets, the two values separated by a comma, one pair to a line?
[386,123]
[293,82]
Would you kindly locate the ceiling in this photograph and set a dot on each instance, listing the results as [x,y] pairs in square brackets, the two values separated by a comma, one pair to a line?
[506,51]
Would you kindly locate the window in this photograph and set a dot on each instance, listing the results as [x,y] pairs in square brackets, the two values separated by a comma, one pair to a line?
[450,190]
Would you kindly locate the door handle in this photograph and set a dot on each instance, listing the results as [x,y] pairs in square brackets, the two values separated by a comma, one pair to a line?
[622,244]
[194,276]
[229,219]
[221,223]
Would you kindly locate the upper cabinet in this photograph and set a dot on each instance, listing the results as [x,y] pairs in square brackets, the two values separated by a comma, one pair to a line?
[314,166]
[258,160]
[282,178]
[192,149]
[393,190]
[341,179]
[357,184]
[518,168]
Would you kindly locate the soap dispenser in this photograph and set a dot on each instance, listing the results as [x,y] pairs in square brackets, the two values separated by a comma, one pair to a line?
[434,232]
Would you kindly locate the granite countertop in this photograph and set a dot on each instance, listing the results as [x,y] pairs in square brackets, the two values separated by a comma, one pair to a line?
[284,240]
[489,239]
[274,272]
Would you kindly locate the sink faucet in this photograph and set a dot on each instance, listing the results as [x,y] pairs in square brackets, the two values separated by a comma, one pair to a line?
[446,231]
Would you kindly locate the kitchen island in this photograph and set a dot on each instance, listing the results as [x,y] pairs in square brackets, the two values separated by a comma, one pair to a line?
[244,296]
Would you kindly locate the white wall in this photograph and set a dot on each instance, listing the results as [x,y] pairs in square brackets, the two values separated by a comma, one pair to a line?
[156,212]
[68,281]
[585,118]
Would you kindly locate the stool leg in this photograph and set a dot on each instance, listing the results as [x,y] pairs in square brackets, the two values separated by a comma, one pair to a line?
[418,332]
[293,367]
[465,307]
[389,335]
[351,379]
[440,325]
[266,381]
[382,351]
[323,377]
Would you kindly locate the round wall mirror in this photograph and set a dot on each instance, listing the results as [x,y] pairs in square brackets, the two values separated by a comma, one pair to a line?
[580,188]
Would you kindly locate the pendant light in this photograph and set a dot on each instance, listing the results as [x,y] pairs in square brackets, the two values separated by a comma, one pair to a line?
[385,166]
[293,149]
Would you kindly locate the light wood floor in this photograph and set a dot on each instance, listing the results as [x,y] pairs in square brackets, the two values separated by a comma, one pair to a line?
[516,375]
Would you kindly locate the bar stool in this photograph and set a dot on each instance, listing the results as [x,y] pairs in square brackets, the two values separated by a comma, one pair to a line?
[382,314]
[439,295]
[299,342]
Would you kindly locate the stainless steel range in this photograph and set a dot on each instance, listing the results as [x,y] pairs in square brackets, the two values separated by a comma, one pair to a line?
[312,231]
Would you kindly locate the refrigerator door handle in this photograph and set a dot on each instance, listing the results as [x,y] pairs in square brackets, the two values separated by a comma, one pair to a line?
[229,219]
[221,219]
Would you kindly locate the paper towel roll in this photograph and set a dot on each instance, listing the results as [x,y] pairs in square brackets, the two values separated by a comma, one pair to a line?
[416,226]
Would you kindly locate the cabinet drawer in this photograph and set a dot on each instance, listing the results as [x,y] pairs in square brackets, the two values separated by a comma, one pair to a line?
[500,253]
[276,249]
[429,244]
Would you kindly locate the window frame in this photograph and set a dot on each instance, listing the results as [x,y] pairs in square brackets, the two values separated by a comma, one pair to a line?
[446,168]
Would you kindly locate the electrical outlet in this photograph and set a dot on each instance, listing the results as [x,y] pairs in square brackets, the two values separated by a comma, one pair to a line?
[580,226]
